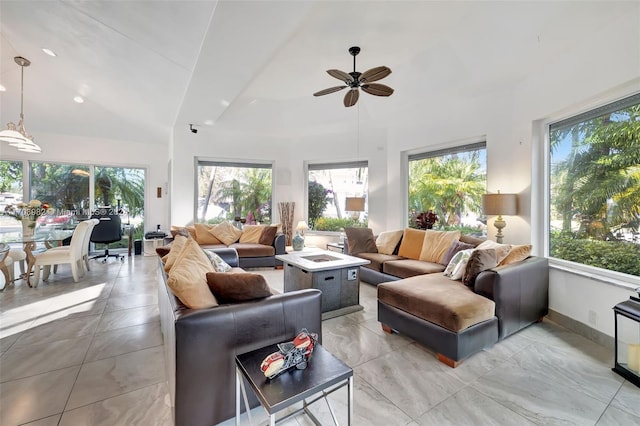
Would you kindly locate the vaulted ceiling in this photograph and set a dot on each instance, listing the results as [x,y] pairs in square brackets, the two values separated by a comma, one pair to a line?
[144,67]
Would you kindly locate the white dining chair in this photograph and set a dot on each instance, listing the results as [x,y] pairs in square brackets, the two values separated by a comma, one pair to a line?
[87,240]
[61,255]
[19,256]
[6,264]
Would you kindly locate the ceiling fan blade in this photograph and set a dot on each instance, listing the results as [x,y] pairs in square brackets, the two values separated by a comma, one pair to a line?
[375,74]
[329,90]
[340,75]
[377,89]
[351,97]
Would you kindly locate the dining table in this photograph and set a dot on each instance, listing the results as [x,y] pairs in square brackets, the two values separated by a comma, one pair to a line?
[43,238]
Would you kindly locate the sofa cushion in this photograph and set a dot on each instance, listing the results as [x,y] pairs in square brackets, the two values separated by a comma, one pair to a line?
[253,250]
[474,241]
[458,264]
[387,241]
[187,278]
[204,234]
[238,287]
[226,232]
[377,259]
[456,247]
[435,298]
[174,252]
[360,240]
[436,244]
[502,250]
[405,268]
[480,260]
[411,244]
[186,231]
[517,254]
[219,265]
[268,235]
[251,234]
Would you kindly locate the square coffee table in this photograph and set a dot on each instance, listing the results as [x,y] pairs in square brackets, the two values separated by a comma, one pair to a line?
[323,371]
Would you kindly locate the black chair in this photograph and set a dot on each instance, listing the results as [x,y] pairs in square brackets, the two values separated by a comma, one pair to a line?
[107,231]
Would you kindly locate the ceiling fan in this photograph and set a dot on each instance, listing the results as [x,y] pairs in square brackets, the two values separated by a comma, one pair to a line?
[355,80]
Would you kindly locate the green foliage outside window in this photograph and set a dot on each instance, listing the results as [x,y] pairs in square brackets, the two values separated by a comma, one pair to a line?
[338,224]
[318,200]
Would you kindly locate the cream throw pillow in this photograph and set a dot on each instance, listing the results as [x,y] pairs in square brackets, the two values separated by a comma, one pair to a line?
[251,234]
[176,248]
[388,240]
[436,244]
[502,250]
[204,235]
[517,254]
[188,277]
[226,232]
[458,265]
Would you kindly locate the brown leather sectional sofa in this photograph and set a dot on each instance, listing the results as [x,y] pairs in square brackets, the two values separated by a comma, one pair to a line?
[200,344]
[453,319]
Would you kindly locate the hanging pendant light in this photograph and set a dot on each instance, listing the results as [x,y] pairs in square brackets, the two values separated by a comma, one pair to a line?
[17,136]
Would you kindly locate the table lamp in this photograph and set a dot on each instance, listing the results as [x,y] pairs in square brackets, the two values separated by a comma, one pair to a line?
[499,204]
[355,205]
[297,241]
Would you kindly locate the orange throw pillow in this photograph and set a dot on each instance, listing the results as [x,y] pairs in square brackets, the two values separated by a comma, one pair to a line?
[411,244]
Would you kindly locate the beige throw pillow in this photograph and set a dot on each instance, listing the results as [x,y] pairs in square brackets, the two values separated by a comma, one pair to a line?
[388,240]
[226,232]
[436,244]
[360,240]
[517,254]
[188,277]
[480,260]
[174,252]
[502,250]
[411,244]
[204,235]
[251,234]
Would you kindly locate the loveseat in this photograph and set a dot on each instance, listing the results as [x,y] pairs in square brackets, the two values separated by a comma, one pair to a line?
[257,245]
[200,344]
[455,318]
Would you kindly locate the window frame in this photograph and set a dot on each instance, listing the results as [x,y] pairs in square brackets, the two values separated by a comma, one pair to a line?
[541,184]
[231,162]
[329,165]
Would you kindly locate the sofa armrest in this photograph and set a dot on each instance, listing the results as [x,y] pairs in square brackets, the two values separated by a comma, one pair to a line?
[279,243]
[228,254]
[520,291]
[207,340]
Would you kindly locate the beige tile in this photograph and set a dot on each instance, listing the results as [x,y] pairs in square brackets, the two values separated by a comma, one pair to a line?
[30,360]
[117,303]
[110,377]
[146,406]
[128,317]
[35,397]
[124,340]
[628,399]
[60,329]
[616,417]
[47,421]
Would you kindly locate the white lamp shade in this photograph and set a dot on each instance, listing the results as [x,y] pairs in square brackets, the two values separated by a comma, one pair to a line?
[302,226]
[499,204]
[354,204]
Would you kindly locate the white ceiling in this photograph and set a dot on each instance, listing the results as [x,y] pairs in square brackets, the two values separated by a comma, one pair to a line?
[146,66]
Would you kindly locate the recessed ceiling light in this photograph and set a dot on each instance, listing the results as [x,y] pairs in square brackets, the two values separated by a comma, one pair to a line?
[209,122]
[2,88]
[49,52]
[225,103]
[78,99]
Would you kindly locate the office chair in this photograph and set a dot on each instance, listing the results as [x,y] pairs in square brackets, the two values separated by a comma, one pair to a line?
[108,230]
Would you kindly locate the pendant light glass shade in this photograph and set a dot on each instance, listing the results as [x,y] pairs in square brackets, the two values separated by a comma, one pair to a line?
[18,137]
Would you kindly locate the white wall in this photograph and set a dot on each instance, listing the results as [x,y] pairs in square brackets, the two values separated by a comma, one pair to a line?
[99,151]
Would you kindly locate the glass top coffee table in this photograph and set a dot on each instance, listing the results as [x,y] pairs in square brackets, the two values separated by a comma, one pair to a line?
[323,371]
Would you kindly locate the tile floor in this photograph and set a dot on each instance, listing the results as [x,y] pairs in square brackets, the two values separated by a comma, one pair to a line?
[90,354]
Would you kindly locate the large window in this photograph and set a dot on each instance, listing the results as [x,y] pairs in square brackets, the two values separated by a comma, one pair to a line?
[227,191]
[337,195]
[448,183]
[10,192]
[64,187]
[594,187]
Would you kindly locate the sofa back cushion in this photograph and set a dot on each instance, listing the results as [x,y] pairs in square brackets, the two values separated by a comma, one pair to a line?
[516,254]
[268,235]
[360,240]
[436,244]
[204,236]
[188,277]
[226,232]
[387,242]
[502,250]
[174,252]
[251,234]
[456,247]
[411,244]
[480,260]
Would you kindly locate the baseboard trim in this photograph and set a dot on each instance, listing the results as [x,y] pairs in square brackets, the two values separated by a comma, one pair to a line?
[582,329]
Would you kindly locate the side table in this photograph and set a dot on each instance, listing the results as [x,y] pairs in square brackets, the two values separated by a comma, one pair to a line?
[337,247]
[323,371]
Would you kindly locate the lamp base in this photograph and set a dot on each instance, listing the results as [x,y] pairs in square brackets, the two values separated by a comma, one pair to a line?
[500,224]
